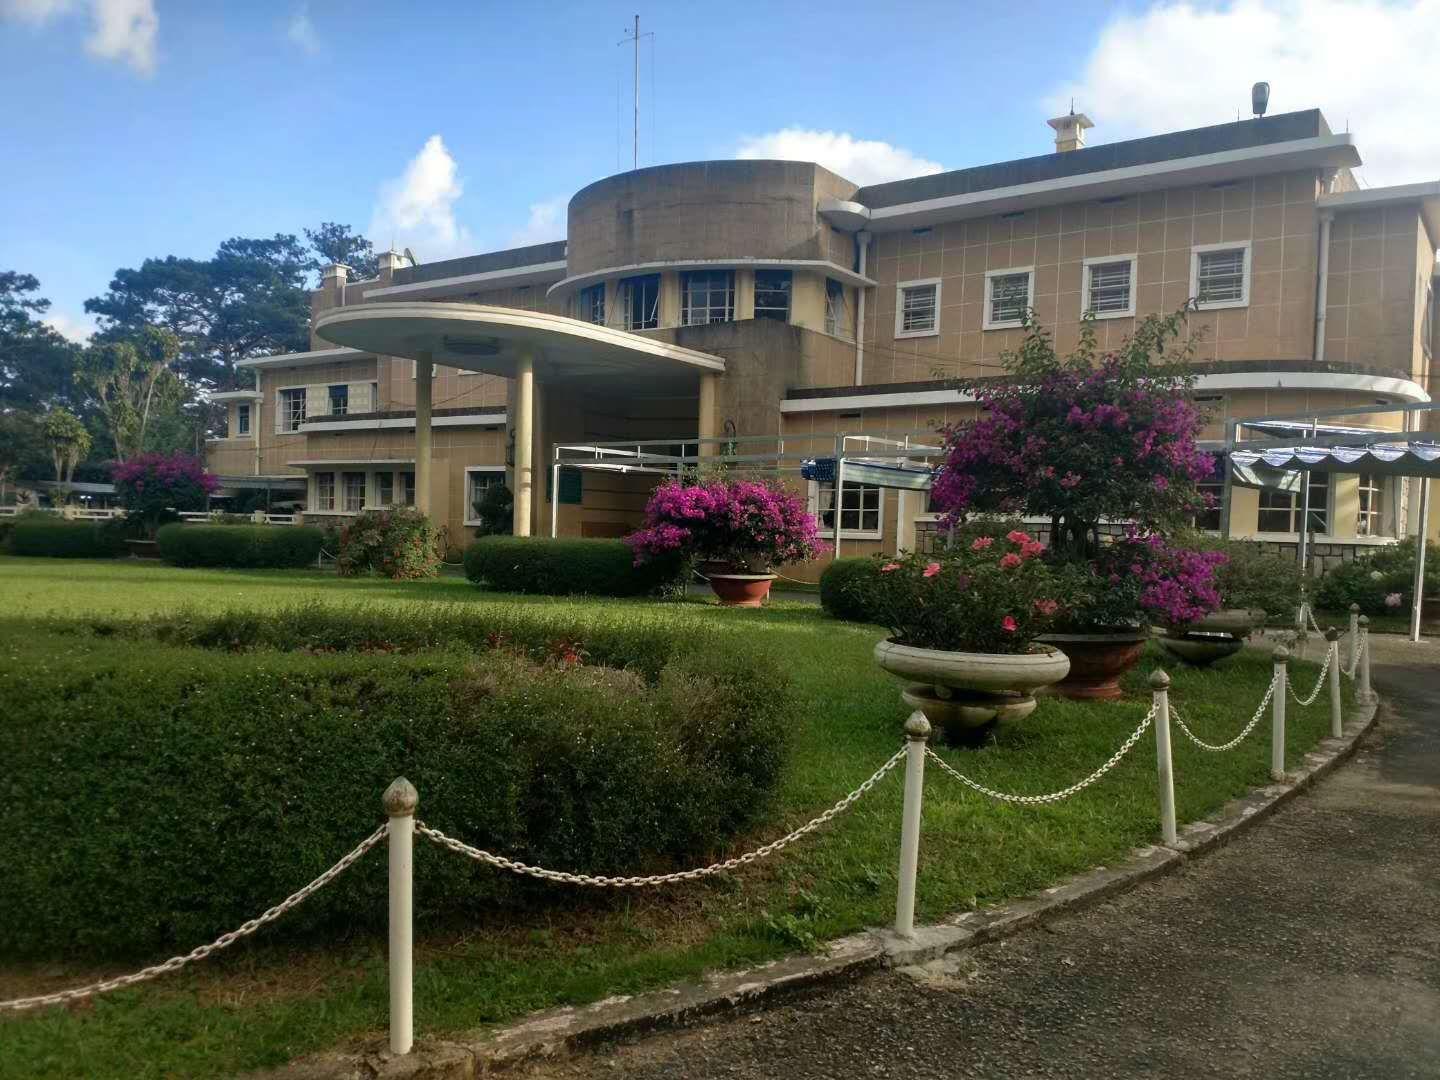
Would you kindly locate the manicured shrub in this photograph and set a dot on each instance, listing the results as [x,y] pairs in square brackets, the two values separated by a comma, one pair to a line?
[399,543]
[1380,583]
[239,546]
[846,587]
[532,564]
[1252,578]
[56,538]
[170,793]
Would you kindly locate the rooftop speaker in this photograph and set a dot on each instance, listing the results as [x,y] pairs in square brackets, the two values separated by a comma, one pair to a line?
[1260,98]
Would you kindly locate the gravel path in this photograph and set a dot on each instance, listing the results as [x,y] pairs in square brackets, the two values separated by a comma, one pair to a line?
[1309,948]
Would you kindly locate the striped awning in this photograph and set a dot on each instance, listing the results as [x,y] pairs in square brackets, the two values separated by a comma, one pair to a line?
[1387,458]
[909,476]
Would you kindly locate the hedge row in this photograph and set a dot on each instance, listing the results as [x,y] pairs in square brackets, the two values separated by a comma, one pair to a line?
[61,539]
[844,587]
[171,793]
[241,546]
[532,564]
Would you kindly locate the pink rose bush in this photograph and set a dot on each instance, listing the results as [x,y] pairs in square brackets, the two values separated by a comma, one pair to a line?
[744,523]
[993,597]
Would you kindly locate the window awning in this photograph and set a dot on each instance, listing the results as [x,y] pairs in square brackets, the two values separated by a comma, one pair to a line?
[1388,458]
[909,476]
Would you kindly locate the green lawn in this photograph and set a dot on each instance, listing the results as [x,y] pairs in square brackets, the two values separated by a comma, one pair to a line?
[264,1005]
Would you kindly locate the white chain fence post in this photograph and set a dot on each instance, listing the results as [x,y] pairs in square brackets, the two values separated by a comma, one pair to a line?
[1354,638]
[400,800]
[1365,693]
[1281,656]
[917,732]
[1160,687]
[1337,719]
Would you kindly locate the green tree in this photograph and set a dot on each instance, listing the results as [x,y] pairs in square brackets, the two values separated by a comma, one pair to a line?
[131,382]
[68,440]
[335,243]
[36,363]
[24,457]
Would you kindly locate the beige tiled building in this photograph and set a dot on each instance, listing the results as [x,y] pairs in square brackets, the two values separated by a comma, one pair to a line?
[770,302]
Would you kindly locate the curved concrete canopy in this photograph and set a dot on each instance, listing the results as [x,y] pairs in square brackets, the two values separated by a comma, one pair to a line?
[492,339]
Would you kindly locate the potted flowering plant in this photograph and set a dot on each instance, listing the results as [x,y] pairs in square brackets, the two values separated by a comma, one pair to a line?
[1078,440]
[739,529]
[963,628]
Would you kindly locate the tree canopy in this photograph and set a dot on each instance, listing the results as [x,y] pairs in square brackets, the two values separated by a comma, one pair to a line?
[36,363]
[334,243]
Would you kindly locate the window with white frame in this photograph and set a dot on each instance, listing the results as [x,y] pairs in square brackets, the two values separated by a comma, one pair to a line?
[242,419]
[590,304]
[640,302]
[324,491]
[772,295]
[339,398]
[1280,510]
[707,296]
[861,510]
[917,308]
[479,480]
[1009,296]
[407,488]
[292,408]
[1109,287]
[384,489]
[352,492]
[1220,275]
[1369,518]
[837,314]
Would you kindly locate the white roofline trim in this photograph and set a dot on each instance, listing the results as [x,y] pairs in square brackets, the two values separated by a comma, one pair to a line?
[513,275]
[1240,380]
[237,395]
[304,359]
[329,463]
[478,419]
[832,269]
[1426,194]
[1227,164]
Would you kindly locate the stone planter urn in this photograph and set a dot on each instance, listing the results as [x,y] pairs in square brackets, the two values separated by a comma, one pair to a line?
[1097,661]
[1214,638]
[144,549]
[963,693]
[741,590]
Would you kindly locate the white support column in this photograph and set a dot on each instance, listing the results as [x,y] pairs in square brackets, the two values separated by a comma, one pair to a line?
[400,801]
[524,443]
[424,370]
[1354,635]
[1420,533]
[538,457]
[1160,687]
[1281,656]
[917,732]
[1365,693]
[555,499]
[1337,718]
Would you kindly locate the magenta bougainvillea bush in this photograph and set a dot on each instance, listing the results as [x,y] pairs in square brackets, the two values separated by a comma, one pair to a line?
[990,595]
[746,524]
[1170,585]
[1082,438]
[152,486]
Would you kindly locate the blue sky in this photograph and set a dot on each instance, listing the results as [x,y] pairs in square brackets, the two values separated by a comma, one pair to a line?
[151,127]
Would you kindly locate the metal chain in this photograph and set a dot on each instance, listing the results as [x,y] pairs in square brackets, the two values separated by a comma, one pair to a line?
[1361,645]
[500,862]
[1325,667]
[1215,748]
[1310,614]
[201,952]
[1054,796]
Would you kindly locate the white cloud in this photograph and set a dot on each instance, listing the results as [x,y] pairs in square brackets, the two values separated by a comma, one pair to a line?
[75,327]
[865,161]
[301,30]
[547,222]
[121,30]
[417,209]
[1179,65]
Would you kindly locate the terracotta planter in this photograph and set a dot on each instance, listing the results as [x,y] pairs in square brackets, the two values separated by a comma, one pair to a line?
[1097,661]
[144,549]
[741,590]
[962,694]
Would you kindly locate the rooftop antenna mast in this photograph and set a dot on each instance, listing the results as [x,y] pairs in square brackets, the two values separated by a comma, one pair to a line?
[635,36]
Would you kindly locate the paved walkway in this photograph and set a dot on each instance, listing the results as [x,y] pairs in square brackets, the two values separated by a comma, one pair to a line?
[1308,948]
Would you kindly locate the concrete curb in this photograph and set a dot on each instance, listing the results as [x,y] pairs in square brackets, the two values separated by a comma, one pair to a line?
[561,1030]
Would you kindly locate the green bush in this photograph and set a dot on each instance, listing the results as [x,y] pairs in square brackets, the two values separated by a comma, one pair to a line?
[1375,580]
[1253,578]
[170,792]
[239,546]
[400,543]
[533,564]
[53,537]
[845,586]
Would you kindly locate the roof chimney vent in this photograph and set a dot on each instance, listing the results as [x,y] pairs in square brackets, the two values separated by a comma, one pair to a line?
[1260,98]
[1070,131]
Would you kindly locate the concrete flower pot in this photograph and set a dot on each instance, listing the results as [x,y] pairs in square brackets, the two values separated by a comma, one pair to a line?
[1097,661]
[1199,649]
[741,590]
[962,693]
[1237,621]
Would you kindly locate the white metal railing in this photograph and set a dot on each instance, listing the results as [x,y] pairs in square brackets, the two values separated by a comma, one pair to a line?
[76,513]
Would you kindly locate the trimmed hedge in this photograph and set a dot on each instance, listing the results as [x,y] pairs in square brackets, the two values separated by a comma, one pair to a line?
[844,587]
[59,539]
[172,792]
[533,564]
[240,546]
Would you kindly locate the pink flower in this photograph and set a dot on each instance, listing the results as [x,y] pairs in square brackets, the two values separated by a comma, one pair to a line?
[1069,480]
[982,543]
[1015,536]
[889,566]
[1393,600]
[1031,548]
[1010,561]
[1047,607]
[932,569]
[1009,625]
